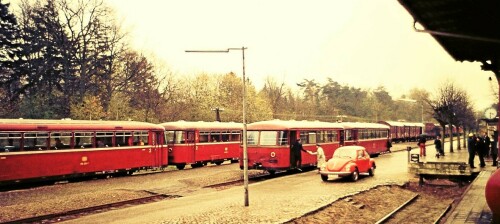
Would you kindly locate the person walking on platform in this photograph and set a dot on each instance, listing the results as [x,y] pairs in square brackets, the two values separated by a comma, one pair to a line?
[421,144]
[439,146]
[471,148]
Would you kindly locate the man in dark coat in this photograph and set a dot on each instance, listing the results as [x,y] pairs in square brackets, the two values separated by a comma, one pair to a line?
[439,146]
[471,147]
[296,155]
[494,150]
[480,148]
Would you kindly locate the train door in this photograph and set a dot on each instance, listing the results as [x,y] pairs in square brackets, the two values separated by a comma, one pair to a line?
[161,148]
[293,139]
[191,145]
[341,137]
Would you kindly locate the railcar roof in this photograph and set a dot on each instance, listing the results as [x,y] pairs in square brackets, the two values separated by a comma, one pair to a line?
[364,125]
[210,125]
[292,124]
[44,125]
[401,124]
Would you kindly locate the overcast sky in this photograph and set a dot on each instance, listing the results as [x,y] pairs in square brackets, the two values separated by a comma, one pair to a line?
[361,43]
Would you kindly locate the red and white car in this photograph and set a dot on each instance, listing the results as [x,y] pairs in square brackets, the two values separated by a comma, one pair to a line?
[348,161]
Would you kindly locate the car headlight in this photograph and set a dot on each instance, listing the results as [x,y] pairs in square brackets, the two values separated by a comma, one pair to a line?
[348,167]
[323,167]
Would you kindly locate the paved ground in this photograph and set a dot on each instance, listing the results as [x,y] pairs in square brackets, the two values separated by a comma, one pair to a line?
[273,201]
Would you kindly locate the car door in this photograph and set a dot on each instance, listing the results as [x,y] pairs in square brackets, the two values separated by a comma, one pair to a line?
[363,161]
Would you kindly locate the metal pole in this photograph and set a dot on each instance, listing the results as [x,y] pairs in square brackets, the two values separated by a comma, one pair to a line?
[422,112]
[245,149]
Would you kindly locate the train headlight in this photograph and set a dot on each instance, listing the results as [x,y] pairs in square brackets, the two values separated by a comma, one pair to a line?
[273,154]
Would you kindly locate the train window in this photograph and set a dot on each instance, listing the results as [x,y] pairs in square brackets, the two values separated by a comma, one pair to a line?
[10,142]
[252,137]
[122,138]
[303,137]
[322,137]
[332,136]
[179,137]
[169,136]
[141,138]
[312,138]
[84,139]
[36,140]
[235,136]
[225,136]
[60,140]
[283,138]
[215,136]
[204,136]
[104,139]
[348,134]
[268,137]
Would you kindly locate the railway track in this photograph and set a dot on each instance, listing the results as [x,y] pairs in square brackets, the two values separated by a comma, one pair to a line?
[68,215]
[408,211]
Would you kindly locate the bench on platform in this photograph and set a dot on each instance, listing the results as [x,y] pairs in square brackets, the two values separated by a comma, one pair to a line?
[439,169]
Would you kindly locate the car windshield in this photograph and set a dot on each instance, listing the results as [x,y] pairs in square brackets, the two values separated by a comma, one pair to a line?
[344,153]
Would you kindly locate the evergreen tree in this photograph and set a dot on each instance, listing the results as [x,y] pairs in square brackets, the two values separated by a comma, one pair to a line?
[10,59]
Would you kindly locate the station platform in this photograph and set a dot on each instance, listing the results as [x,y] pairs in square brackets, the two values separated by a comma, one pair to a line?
[472,207]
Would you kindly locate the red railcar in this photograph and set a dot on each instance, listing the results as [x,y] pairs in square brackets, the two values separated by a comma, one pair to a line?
[396,130]
[374,137]
[269,142]
[197,142]
[401,131]
[32,150]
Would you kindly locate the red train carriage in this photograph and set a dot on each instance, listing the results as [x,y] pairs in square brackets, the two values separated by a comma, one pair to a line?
[32,150]
[197,143]
[269,142]
[396,131]
[414,130]
[374,137]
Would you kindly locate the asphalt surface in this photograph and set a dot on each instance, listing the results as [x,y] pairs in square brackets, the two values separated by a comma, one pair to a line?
[272,201]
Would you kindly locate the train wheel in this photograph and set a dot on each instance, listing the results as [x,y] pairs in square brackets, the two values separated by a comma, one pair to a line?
[218,163]
[355,175]
[272,172]
[180,166]
[324,177]
[371,171]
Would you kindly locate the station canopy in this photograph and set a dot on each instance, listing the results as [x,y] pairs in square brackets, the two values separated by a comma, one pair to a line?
[469,30]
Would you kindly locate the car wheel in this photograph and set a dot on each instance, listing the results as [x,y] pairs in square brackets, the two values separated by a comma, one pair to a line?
[355,175]
[180,166]
[324,177]
[371,171]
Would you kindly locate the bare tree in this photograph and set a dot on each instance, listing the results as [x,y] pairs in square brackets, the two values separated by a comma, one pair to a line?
[451,107]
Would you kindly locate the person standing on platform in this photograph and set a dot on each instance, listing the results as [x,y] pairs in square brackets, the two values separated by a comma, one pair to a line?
[487,143]
[480,148]
[296,150]
[471,148]
[320,155]
[421,144]
[439,146]
[494,150]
